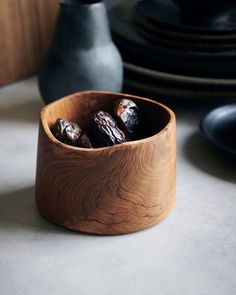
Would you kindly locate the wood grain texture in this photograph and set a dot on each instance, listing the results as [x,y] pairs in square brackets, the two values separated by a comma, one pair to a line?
[26,28]
[111,190]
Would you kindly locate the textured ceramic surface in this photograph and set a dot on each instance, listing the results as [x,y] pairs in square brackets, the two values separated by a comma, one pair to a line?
[82,55]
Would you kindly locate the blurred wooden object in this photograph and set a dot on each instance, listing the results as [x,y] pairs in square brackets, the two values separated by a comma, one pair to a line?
[26,27]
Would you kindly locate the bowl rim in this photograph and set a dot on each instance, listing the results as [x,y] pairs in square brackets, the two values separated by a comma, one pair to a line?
[52,138]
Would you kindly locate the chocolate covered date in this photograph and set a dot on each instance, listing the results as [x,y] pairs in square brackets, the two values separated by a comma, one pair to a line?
[128,116]
[104,130]
[67,132]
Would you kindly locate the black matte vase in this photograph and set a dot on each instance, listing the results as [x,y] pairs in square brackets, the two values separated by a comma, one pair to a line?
[82,55]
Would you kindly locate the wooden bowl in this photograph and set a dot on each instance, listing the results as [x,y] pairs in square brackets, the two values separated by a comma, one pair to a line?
[112,190]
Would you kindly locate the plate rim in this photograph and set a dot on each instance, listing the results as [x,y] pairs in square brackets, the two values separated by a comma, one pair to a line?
[116,14]
[181,78]
[179,34]
[198,95]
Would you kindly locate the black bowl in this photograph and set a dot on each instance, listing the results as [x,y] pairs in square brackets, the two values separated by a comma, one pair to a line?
[219,128]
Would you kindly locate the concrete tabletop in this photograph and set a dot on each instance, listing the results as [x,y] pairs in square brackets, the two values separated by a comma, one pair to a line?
[193,251]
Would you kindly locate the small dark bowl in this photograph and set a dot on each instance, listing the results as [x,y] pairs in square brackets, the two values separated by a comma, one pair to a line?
[206,12]
[219,128]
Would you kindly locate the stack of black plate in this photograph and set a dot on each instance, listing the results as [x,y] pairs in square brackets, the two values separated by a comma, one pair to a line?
[165,57]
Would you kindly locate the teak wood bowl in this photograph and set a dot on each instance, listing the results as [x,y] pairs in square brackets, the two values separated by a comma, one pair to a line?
[112,190]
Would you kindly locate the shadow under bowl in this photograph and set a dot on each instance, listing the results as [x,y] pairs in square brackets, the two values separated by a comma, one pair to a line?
[112,190]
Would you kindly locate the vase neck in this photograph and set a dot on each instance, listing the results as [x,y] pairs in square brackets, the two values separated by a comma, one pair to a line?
[82,25]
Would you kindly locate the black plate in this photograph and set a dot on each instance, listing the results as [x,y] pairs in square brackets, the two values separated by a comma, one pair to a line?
[165,13]
[171,92]
[137,50]
[179,81]
[219,128]
[170,38]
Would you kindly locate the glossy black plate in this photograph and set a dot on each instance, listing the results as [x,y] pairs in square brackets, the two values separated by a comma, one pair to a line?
[219,128]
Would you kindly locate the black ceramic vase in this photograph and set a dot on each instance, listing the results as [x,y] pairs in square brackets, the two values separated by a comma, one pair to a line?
[82,55]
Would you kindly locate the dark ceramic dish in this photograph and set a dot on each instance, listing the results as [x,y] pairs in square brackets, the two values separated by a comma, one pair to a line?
[206,12]
[219,128]
[171,92]
[159,35]
[187,82]
[214,20]
[136,49]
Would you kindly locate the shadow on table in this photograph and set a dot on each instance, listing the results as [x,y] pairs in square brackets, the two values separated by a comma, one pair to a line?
[18,211]
[208,159]
[22,111]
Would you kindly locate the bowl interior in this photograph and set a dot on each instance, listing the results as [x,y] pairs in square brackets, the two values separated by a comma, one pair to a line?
[79,107]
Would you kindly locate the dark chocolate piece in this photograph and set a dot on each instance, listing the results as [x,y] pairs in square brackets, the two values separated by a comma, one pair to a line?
[128,117]
[104,130]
